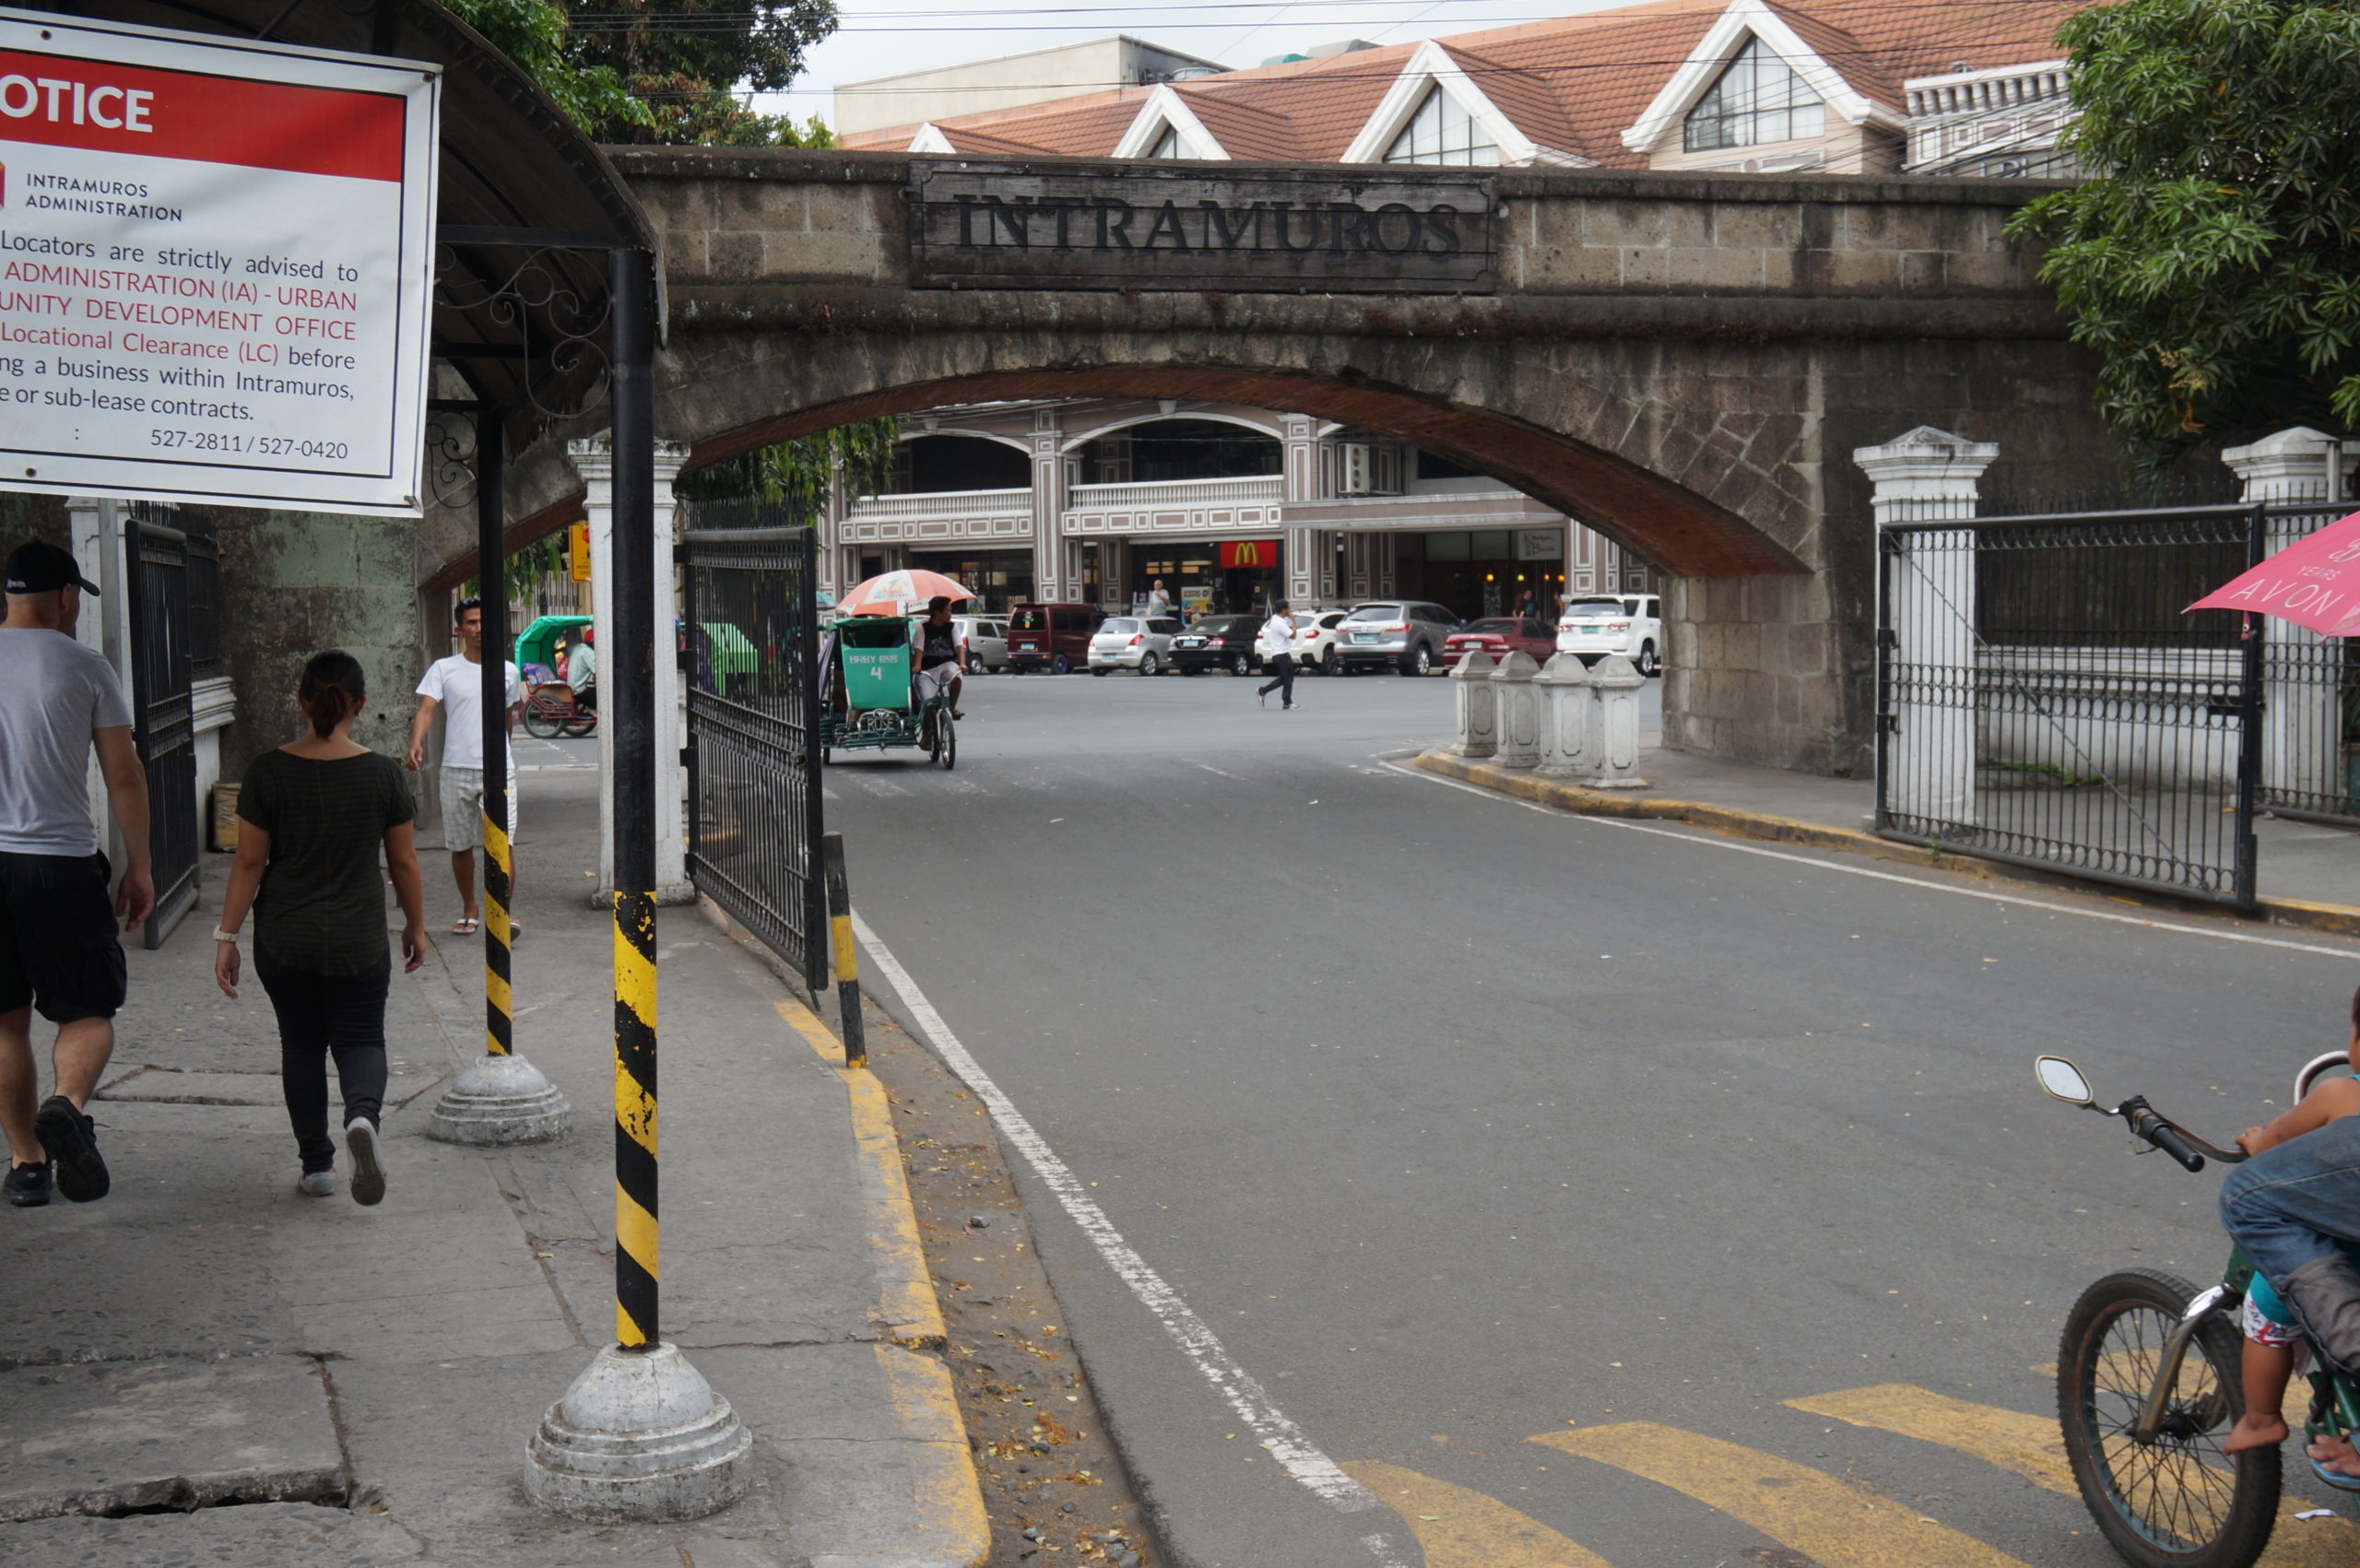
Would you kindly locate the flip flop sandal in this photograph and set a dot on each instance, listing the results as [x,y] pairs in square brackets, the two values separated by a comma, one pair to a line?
[464,926]
[2341,1482]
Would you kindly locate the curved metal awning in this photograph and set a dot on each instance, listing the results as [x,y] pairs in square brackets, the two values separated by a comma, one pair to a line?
[528,205]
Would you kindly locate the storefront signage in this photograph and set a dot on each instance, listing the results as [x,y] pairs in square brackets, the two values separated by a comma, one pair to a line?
[1141,226]
[215,259]
[1539,544]
[1252,553]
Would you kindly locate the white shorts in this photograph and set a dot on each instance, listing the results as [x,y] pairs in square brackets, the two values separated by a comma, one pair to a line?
[934,679]
[463,808]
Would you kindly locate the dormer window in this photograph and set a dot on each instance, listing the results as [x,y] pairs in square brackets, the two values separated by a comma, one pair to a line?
[1758,99]
[1441,131]
[1167,145]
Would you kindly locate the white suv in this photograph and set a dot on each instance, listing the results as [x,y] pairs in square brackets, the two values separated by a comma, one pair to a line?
[1594,625]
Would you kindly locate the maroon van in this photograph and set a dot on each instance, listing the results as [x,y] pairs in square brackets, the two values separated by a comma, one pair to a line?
[1051,637]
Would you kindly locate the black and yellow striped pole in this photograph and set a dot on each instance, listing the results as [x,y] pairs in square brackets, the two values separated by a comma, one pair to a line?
[831,870]
[500,1098]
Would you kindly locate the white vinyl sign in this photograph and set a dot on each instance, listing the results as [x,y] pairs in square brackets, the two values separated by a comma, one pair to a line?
[216,263]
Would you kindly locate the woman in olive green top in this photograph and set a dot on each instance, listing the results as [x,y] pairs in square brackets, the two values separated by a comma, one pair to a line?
[311,818]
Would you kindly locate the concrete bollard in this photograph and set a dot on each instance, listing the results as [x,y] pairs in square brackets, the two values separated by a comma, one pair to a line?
[1478,713]
[1616,725]
[1517,704]
[1568,731]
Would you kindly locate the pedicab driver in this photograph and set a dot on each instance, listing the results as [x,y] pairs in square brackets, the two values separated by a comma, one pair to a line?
[941,659]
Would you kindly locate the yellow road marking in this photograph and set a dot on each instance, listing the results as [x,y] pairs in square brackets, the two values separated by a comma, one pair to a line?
[1468,1529]
[2033,1447]
[1835,1525]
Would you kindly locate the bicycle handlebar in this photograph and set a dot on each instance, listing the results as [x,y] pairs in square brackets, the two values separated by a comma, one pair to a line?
[2174,1139]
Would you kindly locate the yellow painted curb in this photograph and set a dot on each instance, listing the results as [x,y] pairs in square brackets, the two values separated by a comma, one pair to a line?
[946,1493]
[906,1301]
[2338,919]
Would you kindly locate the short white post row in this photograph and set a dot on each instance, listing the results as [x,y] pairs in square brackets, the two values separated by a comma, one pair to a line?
[1564,720]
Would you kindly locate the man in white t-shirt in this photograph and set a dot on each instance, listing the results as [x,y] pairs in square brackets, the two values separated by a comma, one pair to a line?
[454,685]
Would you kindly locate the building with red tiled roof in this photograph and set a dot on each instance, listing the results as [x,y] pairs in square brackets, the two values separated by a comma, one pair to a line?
[1845,85]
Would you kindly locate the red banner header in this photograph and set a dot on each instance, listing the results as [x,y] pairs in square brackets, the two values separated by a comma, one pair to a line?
[1250,552]
[97,105]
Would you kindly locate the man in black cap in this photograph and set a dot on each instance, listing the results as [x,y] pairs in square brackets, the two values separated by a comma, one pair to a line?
[59,953]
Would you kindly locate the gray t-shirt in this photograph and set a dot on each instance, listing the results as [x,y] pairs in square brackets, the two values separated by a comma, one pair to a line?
[57,692]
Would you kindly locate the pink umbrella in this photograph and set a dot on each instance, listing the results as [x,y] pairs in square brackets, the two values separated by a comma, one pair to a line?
[2314,582]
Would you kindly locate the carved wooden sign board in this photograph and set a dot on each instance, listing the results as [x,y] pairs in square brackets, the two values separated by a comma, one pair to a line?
[1141,226]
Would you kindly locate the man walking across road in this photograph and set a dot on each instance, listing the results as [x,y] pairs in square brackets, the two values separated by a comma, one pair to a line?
[1276,645]
[455,685]
[59,953]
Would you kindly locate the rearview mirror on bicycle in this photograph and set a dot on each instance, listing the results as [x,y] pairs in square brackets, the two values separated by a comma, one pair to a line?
[2064,1080]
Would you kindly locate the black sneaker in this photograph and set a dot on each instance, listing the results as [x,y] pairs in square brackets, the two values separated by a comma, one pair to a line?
[72,1146]
[28,1185]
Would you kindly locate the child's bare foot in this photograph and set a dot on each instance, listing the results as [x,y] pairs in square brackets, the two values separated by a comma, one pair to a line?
[2335,1454]
[2258,1429]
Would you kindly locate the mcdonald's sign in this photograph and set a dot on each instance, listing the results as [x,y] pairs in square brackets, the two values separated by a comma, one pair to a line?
[1250,552]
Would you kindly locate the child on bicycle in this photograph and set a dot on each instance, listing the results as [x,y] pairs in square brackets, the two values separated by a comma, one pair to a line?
[2271,1328]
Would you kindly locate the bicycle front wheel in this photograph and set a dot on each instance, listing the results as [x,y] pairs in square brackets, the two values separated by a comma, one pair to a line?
[2174,1501]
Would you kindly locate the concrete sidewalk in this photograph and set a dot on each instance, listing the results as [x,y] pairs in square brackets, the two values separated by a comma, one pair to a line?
[2309,873]
[304,1381]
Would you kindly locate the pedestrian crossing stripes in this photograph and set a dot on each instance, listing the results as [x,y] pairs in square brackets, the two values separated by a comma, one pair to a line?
[1810,1515]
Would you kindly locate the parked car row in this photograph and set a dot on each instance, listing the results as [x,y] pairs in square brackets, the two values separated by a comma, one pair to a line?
[1409,635]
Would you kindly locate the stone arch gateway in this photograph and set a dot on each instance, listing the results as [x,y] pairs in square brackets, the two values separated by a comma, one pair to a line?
[1684,362]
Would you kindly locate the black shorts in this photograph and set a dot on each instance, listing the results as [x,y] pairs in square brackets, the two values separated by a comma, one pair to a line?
[58,946]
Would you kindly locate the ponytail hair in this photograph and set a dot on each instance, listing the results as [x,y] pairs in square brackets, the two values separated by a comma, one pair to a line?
[333,689]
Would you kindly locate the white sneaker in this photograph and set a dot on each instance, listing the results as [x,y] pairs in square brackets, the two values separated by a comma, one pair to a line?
[317,1183]
[368,1175]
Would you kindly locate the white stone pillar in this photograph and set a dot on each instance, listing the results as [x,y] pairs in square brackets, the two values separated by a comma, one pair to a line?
[594,460]
[1477,706]
[1614,724]
[1050,580]
[1929,476]
[2302,733]
[1569,741]
[104,628]
[1518,703]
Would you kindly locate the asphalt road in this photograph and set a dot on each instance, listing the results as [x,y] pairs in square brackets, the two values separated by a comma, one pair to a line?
[1462,1124]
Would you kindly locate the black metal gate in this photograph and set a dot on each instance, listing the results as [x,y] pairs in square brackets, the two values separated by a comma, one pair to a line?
[2310,749]
[2042,698]
[163,726]
[751,646]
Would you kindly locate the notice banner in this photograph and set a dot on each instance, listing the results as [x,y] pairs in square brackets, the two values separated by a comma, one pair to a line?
[216,261]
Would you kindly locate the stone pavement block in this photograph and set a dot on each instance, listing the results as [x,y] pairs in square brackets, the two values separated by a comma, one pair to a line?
[188,1433]
[266,1535]
[169,1086]
[866,1450]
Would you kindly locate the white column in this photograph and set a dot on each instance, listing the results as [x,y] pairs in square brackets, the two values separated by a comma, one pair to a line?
[2302,751]
[594,460]
[103,627]
[1051,581]
[1929,476]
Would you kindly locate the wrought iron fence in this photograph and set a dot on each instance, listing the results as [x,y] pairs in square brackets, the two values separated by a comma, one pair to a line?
[751,648]
[2043,699]
[2310,752]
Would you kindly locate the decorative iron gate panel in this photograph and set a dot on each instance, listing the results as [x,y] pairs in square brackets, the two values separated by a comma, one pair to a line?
[753,752]
[2310,752]
[2042,698]
[163,728]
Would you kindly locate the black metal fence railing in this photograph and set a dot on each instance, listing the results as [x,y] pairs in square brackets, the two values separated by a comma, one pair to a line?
[2043,699]
[164,725]
[751,647]
[207,659]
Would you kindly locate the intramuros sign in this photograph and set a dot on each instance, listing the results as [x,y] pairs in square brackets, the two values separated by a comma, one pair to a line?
[214,265]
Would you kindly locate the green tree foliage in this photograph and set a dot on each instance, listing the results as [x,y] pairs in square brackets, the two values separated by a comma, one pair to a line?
[531,33]
[795,473]
[685,60]
[2213,262]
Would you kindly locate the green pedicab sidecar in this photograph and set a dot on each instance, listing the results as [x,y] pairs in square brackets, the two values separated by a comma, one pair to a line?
[870,700]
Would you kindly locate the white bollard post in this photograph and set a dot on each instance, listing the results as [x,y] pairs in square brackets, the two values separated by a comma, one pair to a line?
[1478,713]
[1518,704]
[1616,726]
[1568,746]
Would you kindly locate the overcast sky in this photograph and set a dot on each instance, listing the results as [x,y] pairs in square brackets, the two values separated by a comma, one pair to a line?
[880,38]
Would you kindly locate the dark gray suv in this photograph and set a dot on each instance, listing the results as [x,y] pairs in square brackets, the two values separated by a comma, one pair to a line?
[1405,633]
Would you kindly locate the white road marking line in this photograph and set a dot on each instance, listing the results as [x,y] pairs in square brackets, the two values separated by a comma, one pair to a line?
[1284,1440]
[1210,768]
[1706,838]
[883,786]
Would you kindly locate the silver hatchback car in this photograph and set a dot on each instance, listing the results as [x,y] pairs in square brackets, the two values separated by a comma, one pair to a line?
[1131,641]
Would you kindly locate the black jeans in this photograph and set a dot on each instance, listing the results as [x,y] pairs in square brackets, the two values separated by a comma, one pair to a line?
[319,1014]
[1282,681]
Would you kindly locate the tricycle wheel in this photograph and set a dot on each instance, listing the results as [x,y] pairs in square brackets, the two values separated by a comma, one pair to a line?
[544,725]
[946,740]
[585,725]
[2176,1501]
